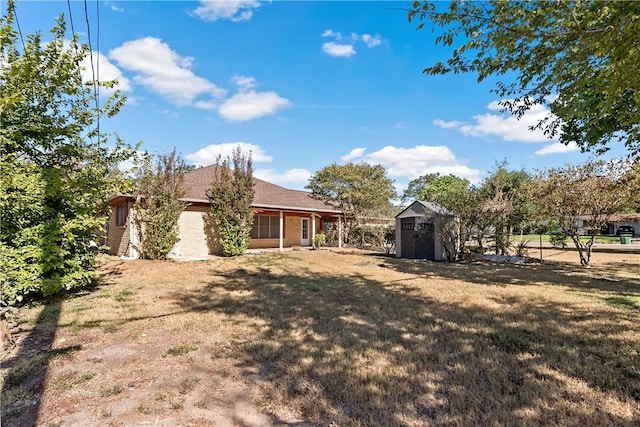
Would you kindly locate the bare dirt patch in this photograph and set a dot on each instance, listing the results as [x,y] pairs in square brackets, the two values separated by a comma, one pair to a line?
[334,338]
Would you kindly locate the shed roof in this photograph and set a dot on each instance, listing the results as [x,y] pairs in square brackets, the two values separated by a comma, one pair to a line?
[426,206]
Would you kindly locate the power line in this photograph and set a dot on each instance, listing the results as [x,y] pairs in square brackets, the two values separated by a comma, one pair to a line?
[74,42]
[73,30]
[93,71]
[15,15]
[98,63]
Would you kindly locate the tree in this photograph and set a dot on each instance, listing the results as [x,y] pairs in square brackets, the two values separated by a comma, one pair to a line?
[586,194]
[578,57]
[459,197]
[416,186]
[504,204]
[358,190]
[231,195]
[158,205]
[55,165]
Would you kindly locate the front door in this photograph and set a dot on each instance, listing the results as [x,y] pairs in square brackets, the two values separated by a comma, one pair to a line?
[304,234]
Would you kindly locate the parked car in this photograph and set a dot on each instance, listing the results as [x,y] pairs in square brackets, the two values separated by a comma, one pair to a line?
[625,229]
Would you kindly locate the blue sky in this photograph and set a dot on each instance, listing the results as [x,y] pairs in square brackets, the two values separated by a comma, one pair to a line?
[300,84]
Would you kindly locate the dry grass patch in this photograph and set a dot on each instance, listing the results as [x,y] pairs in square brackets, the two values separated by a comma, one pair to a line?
[338,337]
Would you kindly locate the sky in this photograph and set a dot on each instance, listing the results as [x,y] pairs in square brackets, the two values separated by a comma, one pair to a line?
[299,84]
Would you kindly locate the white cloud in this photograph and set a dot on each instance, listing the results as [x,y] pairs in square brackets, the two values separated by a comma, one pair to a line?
[448,125]
[371,41]
[356,153]
[130,165]
[162,70]
[416,161]
[108,71]
[287,178]
[331,33]
[233,10]
[505,126]
[251,105]
[114,7]
[244,82]
[207,105]
[337,49]
[347,49]
[557,148]
[209,154]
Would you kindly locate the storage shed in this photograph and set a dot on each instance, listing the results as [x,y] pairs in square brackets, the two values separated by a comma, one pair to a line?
[423,229]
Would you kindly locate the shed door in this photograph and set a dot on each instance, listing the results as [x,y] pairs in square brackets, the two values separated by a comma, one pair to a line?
[425,241]
[408,243]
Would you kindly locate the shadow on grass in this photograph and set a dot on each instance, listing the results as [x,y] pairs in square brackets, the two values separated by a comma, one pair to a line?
[356,351]
[603,278]
[26,370]
[23,383]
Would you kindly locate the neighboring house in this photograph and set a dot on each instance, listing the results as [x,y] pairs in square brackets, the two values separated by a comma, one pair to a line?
[614,221]
[422,231]
[282,218]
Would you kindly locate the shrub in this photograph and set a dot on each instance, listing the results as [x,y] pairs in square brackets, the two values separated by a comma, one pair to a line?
[318,240]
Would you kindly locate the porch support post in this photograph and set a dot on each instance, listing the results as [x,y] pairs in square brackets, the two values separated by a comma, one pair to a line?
[133,233]
[281,231]
[339,231]
[313,230]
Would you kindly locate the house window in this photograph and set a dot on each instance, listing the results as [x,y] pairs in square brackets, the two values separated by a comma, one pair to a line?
[121,215]
[408,226]
[265,227]
[327,225]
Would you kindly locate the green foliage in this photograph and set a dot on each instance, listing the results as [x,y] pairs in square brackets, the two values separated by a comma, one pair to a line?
[416,187]
[505,204]
[457,196]
[158,205]
[318,240]
[56,167]
[521,248]
[389,237]
[357,190]
[365,235]
[589,194]
[231,195]
[181,349]
[558,239]
[578,57]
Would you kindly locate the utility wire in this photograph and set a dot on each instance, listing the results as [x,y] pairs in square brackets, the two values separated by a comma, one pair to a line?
[98,63]
[93,71]
[73,30]
[15,15]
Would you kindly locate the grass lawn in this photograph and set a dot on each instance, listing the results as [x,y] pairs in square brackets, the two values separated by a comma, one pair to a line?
[533,239]
[335,338]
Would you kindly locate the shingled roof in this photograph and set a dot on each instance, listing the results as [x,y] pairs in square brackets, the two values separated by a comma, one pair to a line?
[266,196]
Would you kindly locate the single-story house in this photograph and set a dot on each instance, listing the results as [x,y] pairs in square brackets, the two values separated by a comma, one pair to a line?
[422,231]
[616,220]
[282,218]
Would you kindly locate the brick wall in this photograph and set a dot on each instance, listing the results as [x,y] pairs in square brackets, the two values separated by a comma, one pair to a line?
[195,231]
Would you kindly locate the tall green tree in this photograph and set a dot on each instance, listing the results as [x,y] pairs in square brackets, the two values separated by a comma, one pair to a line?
[158,205]
[416,187]
[504,204]
[578,57]
[581,199]
[231,194]
[459,197]
[358,190]
[55,166]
